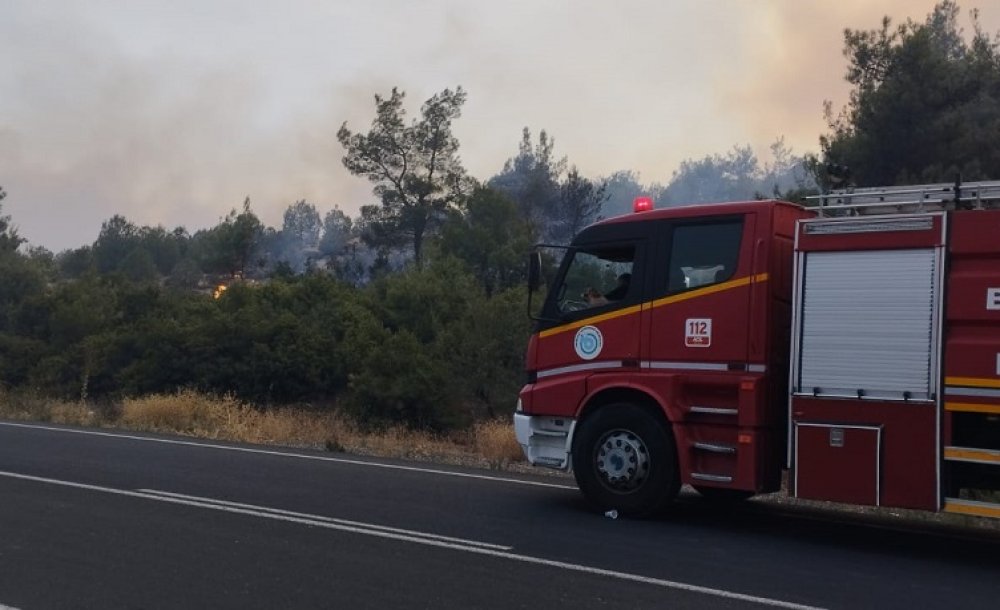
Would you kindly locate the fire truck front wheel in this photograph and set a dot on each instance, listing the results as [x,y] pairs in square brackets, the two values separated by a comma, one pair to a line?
[624,458]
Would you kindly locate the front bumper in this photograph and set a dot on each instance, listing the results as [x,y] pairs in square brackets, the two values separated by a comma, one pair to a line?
[546,441]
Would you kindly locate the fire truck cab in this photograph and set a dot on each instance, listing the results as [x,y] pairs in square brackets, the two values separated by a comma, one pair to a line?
[855,344]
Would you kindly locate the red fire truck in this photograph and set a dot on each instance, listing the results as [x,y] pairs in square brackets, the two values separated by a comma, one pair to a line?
[854,343]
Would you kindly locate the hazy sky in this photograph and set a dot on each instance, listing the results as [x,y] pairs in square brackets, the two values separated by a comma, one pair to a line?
[171,112]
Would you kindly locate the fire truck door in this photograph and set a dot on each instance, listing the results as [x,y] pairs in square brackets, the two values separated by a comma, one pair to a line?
[596,310]
[699,335]
[700,309]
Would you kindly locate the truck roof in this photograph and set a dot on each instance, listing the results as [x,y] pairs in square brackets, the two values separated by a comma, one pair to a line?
[699,209]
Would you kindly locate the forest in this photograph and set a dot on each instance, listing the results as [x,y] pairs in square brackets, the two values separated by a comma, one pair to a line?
[414,311]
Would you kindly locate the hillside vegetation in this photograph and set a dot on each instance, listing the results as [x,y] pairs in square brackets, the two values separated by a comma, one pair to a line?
[412,315]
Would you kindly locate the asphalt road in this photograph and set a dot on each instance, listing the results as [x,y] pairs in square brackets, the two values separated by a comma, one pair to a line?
[98,519]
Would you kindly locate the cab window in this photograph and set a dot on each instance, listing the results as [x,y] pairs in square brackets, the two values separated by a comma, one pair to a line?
[703,254]
[597,277]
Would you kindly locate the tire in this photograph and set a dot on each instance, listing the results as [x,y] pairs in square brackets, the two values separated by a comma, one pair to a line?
[723,496]
[624,458]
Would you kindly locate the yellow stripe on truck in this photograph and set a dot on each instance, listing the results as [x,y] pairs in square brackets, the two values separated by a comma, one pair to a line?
[972,455]
[965,407]
[700,292]
[677,298]
[586,321]
[972,382]
[977,509]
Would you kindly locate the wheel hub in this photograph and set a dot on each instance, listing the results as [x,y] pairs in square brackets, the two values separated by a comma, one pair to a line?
[622,460]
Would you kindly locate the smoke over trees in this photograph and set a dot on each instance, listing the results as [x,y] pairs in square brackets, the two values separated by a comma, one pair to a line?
[412,312]
[555,202]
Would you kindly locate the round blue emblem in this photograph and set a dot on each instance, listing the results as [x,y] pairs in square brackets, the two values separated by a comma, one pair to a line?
[588,342]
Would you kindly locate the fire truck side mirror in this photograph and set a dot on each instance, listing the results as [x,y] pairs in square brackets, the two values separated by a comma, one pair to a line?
[534,271]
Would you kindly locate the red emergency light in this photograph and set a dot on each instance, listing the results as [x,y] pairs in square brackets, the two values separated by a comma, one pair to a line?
[642,204]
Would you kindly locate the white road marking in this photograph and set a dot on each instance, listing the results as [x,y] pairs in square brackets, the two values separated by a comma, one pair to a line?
[278,511]
[302,456]
[422,539]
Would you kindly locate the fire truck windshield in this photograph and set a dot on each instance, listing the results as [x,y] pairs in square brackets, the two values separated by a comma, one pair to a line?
[596,277]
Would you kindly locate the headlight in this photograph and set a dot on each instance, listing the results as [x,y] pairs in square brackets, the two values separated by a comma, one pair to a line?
[518,408]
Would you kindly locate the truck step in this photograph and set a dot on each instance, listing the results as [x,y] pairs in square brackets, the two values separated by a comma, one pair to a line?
[972,507]
[969,454]
[555,433]
[715,478]
[711,410]
[715,447]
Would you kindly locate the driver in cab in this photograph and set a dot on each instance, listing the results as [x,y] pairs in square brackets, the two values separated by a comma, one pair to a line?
[594,298]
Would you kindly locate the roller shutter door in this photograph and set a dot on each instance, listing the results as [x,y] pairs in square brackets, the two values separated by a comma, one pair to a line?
[867,324]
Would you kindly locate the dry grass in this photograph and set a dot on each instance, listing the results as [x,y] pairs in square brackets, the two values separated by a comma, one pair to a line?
[399,442]
[187,412]
[495,441]
[73,413]
[192,413]
[33,408]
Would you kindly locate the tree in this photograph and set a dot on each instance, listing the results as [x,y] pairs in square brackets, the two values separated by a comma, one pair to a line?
[297,242]
[72,264]
[21,278]
[737,175]
[185,274]
[556,207]
[118,237]
[714,178]
[301,221]
[165,248]
[531,180]
[415,167]
[785,172]
[229,246]
[397,381]
[491,238]
[484,351]
[337,231]
[345,255]
[578,205]
[118,244]
[925,104]
[138,266]
[9,239]
[398,373]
